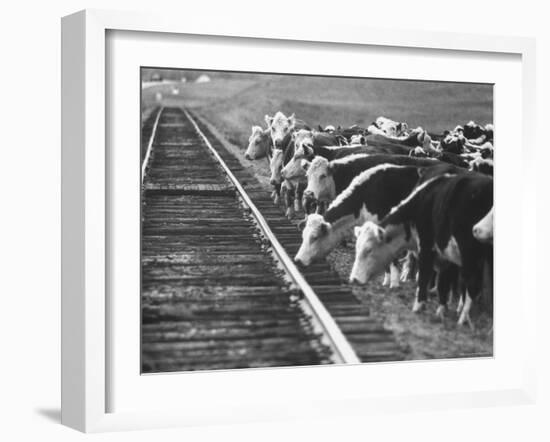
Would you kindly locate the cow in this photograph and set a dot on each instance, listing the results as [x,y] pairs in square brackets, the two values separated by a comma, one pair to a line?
[389,127]
[280,128]
[290,189]
[476,134]
[350,132]
[326,179]
[413,139]
[304,137]
[482,165]
[483,230]
[437,218]
[260,144]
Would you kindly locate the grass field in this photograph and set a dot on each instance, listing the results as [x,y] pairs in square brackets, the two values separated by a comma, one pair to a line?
[232,103]
[237,102]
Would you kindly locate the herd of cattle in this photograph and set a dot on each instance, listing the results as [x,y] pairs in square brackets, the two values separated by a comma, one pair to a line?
[409,196]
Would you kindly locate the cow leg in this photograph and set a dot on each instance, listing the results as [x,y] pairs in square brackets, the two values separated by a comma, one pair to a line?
[447,276]
[460,304]
[425,271]
[465,314]
[473,275]
[394,274]
[386,280]
[298,198]
[308,203]
[289,202]
[276,194]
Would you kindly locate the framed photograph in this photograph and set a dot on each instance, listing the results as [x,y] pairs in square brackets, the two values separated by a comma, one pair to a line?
[270,222]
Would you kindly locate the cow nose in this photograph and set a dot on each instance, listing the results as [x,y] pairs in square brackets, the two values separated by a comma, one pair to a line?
[354,281]
[278,144]
[299,262]
[273,182]
[247,156]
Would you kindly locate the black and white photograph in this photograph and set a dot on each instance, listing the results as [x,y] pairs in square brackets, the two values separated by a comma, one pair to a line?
[303,220]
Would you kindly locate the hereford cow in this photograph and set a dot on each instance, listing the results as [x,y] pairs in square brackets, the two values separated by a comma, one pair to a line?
[280,128]
[259,144]
[438,218]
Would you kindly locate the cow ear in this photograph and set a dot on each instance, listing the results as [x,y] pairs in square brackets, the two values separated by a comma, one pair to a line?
[380,234]
[308,150]
[330,169]
[302,224]
[305,164]
[319,128]
[323,228]
[357,231]
[292,120]
[268,120]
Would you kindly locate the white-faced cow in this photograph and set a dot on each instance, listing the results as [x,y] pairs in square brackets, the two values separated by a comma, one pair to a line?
[281,127]
[438,218]
[290,189]
[259,144]
[326,179]
[389,127]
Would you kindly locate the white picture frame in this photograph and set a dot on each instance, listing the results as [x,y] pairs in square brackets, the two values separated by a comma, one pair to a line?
[85,202]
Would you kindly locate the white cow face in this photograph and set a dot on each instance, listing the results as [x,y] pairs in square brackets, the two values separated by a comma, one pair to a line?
[317,240]
[358,139]
[303,139]
[258,144]
[320,181]
[293,171]
[276,165]
[279,127]
[375,247]
[391,128]
[483,230]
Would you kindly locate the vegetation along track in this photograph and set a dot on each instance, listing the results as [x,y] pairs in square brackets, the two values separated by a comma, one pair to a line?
[219,289]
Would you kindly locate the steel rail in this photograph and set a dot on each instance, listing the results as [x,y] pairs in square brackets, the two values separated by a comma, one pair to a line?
[150,145]
[335,339]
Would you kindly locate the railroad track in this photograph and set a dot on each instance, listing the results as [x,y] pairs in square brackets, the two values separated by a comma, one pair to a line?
[219,289]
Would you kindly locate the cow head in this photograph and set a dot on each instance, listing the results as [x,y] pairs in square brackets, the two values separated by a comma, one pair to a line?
[293,171]
[320,179]
[375,248]
[303,143]
[275,166]
[317,240]
[453,144]
[391,128]
[473,130]
[258,144]
[280,127]
[358,139]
